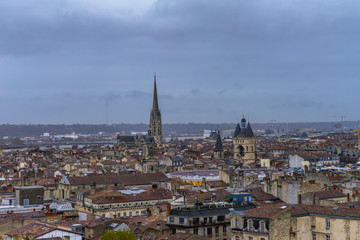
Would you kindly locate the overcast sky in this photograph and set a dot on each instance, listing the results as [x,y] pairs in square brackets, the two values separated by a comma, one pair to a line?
[283,60]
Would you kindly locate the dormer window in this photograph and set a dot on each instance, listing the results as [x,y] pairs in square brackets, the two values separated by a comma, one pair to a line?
[262,226]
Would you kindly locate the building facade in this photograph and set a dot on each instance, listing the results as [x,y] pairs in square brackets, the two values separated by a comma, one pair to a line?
[244,144]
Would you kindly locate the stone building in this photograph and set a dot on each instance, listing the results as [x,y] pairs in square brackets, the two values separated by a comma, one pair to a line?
[213,223]
[324,198]
[237,178]
[269,222]
[325,222]
[124,203]
[244,144]
[289,188]
[155,118]
[30,195]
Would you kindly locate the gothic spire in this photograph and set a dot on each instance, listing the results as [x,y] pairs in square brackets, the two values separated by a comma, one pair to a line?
[218,145]
[249,131]
[155,99]
[237,130]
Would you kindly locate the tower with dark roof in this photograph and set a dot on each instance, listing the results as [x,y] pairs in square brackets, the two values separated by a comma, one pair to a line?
[218,149]
[244,144]
[155,118]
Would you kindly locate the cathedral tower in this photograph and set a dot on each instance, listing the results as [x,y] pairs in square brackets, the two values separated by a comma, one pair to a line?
[155,118]
[244,144]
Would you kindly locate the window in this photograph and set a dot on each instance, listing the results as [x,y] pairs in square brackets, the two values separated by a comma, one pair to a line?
[313,221]
[251,238]
[181,220]
[171,219]
[205,220]
[237,238]
[196,220]
[237,223]
[216,229]
[209,231]
[314,236]
[224,229]
[137,213]
[262,226]
[119,215]
[26,202]
[130,214]
[221,218]
[196,231]
[328,237]
[124,214]
[262,238]
[250,225]
[173,231]
[328,225]
[210,219]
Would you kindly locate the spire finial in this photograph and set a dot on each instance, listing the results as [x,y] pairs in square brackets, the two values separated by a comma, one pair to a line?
[155,98]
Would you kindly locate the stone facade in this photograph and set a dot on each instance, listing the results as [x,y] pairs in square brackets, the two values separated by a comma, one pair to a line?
[244,144]
[30,195]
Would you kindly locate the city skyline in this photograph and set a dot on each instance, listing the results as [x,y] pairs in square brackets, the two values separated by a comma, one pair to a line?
[289,61]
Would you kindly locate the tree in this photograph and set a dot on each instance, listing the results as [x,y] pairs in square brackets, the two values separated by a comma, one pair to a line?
[118,235]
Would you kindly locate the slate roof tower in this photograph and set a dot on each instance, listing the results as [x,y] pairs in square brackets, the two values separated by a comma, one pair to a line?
[218,149]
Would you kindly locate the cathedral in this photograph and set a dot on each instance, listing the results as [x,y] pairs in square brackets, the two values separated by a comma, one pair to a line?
[244,144]
[155,118]
[154,138]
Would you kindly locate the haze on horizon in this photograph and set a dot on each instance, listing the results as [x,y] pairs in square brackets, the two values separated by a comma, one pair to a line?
[283,60]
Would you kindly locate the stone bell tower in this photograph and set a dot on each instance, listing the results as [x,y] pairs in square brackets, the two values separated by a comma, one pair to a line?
[244,144]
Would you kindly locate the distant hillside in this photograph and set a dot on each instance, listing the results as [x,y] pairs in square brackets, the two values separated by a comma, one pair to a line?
[174,128]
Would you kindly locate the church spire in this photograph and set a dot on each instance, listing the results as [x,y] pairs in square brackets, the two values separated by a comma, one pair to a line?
[155,118]
[155,99]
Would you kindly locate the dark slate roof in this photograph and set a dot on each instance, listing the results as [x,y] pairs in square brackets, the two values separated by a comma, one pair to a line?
[237,130]
[192,212]
[218,145]
[126,138]
[125,179]
[176,159]
[249,131]
[243,131]
[304,135]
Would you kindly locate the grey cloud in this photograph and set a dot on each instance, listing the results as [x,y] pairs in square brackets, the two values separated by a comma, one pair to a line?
[194,91]
[238,56]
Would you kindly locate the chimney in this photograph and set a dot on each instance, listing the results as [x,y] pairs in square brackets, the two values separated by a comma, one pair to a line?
[203,183]
[313,198]
[169,208]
